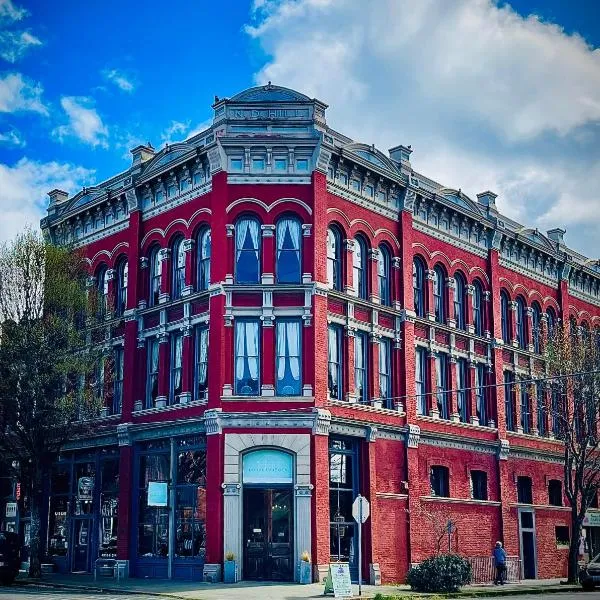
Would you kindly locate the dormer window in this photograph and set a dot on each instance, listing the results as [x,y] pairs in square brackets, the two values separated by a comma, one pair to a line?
[199,177]
[369,191]
[355,185]
[381,196]
[185,184]
[301,164]
[159,196]
[258,164]
[236,164]
[172,190]
[280,164]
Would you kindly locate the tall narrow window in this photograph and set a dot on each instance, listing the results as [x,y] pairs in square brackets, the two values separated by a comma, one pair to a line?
[247,357]
[441,373]
[525,407]
[460,301]
[288,265]
[334,259]
[421,380]
[480,394]
[439,478]
[419,286]
[479,485]
[385,375]
[524,490]
[383,275]
[203,245]
[288,360]
[152,372]
[155,276]
[505,316]
[335,362]
[557,412]
[461,390]
[555,495]
[542,411]
[551,321]
[201,363]
[247,250]
[359,268]
[361,371]
[102,287]
[536,326]
[175,378]
[478,308]
[118,380]
[521,323]
[178,266]
[439,292]
[509,403]
[122,277]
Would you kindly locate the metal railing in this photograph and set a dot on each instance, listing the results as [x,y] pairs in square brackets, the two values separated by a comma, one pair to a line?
[484,571]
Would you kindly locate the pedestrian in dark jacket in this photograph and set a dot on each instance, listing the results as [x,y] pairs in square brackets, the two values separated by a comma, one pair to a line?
[500,563]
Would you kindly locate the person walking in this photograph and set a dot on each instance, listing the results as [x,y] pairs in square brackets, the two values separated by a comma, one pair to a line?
[500,563]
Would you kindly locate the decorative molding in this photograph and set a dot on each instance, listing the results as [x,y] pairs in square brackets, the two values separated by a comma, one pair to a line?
[414,436]
[123,434]
[503,450]
[322,421]
[212,421]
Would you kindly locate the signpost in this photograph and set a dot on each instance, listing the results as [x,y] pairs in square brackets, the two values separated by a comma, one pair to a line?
[360,511]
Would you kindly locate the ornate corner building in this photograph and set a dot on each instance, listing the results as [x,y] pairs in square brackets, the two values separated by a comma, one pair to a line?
[292,318]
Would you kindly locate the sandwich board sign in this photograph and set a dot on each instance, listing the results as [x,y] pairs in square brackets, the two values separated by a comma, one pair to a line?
[338,581]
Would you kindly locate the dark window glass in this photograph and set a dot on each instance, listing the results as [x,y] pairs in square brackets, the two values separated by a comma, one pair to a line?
[201,363]
[334,259]
[481,394]
[550,322]
[460,301]
[505,316]
[542,411]
[521,323]
[102,287]
[525,408]
[461,390]
[176,372]
[479,485]
[555,495]
[247,253]
[118,359]
[439,478]
[203,246]
[385,372]
[383,276]
[478,309]
[359,268]
[509,400]
[421,380]
[361,367]
[178,266]
[419,286]
[536,325]
[288,358]
[442,391]
[563,536]
[247,357]
[524,490]
[288,237]
[439,293]
[155,277]
[152,372]
[335,362]
[122,277]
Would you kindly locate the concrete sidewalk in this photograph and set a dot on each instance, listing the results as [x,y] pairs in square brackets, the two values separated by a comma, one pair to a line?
[247,590]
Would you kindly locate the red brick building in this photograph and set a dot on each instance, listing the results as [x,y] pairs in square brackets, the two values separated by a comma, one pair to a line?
[299,318]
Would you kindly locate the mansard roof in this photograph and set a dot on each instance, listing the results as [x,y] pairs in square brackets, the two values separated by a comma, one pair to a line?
[270,93]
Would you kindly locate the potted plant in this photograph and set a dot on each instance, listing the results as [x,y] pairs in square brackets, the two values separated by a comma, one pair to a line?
[305,568]
[229,568]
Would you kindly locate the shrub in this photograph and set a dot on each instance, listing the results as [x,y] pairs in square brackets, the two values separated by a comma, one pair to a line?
[442,573]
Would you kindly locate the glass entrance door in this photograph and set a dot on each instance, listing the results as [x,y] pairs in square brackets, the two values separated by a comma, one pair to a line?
[81,545]
[268,526]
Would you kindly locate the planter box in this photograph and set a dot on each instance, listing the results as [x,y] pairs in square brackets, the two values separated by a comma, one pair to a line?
[305,572]
[230,571]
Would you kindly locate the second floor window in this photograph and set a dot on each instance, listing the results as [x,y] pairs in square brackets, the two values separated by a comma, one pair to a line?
[439,292]
[102,287]
[335,362]
[288,357]
[525,408]
[118,379]
[247,250]
[505,316]
[441,374]
[383,276]
[176,375]
[555,495]
[288,236]
[421,380]
[521,323]
[439,478]
[178,266]
[359,268]
[536,326]
[203,246]
[334,259]
[481,394]
[524,490]
[461,389]
[201,363]
[151,372]
[478,312]
[155,266]
[460,301]
[509,400]
[247,357]
[479,485]
[361,370]
[122,279]
[419,286]
[385,376]
[542,410]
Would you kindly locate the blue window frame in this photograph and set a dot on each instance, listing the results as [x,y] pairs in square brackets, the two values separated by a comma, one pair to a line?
[521,323]
[505,316]
[419,286]
[118,357]
[155,276]
[203,251]
[201,363]
[509,400]
[439,293]
[481,394]
[359,268]
[384,275]
[247,250]
[151,372]
[385,372]
[178,267]
[335,361]
[361,367]
[460,301]
[461,390]
[478,311]
[176,371]
[542,411]
[525,407]
[288,357]
[247,357]
[442,391]
[289,236]
[122,277]
[421,380]
[334,259]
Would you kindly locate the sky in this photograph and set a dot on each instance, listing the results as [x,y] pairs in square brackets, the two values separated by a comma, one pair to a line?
[491,94]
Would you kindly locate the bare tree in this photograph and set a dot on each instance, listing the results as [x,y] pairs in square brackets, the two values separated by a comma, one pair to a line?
[46,389]
[571,400]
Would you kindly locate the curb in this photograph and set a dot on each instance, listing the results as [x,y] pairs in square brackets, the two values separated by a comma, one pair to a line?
[491,593]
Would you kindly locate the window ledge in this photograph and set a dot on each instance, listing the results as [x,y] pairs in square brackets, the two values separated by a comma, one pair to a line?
[541,506]
[366,407]
[391,496]
[456,423]
[151,411]
[459,500]
[270,399]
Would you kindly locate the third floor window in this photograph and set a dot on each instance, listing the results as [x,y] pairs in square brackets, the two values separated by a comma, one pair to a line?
[247,250]
[288,265]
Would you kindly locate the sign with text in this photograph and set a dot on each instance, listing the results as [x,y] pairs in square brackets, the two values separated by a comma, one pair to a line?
[591,519]
[11,509]
[338,580]
[158,493]
[268,466]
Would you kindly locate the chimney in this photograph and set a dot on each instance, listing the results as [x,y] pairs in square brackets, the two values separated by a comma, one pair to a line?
[57,196]
[557,235]
[142,153]
[488,199]
[400,154]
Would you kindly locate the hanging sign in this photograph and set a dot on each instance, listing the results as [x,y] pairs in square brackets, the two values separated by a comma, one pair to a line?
[157,493]
[591,519]
[338,580]
[11,509]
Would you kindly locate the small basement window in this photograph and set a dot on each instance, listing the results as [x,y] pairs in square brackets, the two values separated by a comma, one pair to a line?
[562,535]
[440,481]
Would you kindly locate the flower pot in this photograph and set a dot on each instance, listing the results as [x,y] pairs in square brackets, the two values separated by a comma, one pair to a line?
[229,571]
[305,572]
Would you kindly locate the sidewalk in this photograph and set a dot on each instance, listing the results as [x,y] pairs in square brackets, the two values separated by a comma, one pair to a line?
[195,590]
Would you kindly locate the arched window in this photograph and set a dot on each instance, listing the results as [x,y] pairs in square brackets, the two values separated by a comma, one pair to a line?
[334,259]
[122,277]
[359,268]
[247,250]
[178,267]
[288,265]
[439,292]
[536,326]
[383,275]
[550,322]
[419,286]
[460,301]
[155,276]
[521,322]
[505,316]
[573,327]
[203,259]
[102,287]
[478,311]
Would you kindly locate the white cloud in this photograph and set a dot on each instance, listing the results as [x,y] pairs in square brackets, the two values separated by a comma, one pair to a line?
[24,187]
[20,94]
[84,122]
[487,98]
[12,137]
[10,13]
[176,130]
[123,81]
[15,44]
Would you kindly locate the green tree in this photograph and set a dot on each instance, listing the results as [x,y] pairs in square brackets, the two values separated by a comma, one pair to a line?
[46,363]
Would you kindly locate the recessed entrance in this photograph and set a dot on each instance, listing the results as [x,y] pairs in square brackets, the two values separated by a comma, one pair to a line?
[268,527]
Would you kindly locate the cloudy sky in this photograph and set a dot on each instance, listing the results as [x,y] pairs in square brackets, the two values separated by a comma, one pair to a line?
[491,95]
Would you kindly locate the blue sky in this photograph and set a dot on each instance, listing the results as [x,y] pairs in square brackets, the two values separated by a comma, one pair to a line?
[501,96]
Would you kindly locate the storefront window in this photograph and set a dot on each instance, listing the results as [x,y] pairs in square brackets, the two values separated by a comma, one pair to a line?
[109,502]
[85,478]
[60,503]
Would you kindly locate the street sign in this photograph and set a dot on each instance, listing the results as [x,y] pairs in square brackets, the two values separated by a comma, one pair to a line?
[361,509]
